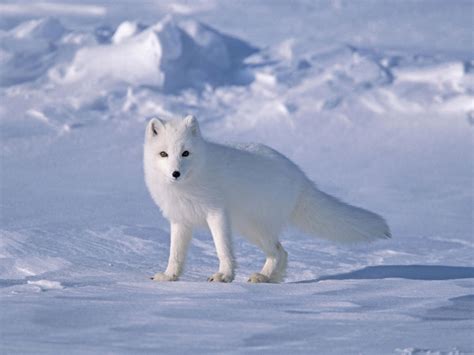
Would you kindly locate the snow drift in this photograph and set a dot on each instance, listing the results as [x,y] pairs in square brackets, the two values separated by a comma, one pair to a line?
[28,50]
[168,55]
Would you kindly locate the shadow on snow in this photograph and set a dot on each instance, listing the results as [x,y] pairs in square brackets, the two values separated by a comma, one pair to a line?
[410,272]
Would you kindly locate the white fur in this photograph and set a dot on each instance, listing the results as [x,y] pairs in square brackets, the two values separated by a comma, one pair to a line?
[250,189]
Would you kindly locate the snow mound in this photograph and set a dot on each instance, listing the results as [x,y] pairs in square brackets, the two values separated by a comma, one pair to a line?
[168,55]
[436,74]
[126,30]
[29,50]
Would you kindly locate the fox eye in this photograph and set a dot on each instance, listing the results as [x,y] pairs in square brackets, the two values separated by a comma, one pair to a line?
[185,154]
[163,154]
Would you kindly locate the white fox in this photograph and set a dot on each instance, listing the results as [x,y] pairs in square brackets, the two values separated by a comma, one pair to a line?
[249,189]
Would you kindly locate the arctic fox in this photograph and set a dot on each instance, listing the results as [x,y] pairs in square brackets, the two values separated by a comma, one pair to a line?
[249,189]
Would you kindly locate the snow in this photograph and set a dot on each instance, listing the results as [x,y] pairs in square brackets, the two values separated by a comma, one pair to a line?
[374,100]
[166,55]
[46,284]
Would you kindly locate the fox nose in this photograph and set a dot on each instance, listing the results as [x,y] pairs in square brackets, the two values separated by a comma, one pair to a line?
[176,174]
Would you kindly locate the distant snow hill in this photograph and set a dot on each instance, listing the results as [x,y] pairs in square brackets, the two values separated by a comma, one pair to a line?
[167,55]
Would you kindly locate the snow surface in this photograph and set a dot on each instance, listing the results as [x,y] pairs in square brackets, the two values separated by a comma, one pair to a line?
[373,99]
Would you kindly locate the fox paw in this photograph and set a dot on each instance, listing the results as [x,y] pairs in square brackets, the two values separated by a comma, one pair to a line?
[258,278]
[161,276]
[220,277]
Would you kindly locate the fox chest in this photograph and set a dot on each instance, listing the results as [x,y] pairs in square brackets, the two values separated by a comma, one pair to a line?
[183,209]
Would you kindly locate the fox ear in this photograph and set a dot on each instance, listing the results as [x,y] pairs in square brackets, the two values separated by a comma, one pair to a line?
[154,126]
[192,123]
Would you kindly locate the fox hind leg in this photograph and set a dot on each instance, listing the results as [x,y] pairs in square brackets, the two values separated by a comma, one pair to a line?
[275,264]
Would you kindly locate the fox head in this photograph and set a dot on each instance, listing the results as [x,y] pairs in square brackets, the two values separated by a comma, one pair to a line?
[173,149]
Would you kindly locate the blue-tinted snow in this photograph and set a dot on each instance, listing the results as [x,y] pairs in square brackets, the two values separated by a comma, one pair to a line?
[374,100]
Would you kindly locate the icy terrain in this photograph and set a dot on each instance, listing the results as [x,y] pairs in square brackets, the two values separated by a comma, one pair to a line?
[373,99]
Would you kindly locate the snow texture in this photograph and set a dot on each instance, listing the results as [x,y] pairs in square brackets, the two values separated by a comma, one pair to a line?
[374,100]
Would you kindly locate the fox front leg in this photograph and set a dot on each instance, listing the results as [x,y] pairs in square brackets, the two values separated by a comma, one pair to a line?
[219,226]
[180,238]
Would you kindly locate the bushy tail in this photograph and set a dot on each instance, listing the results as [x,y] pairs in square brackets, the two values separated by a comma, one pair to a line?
[324,216]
